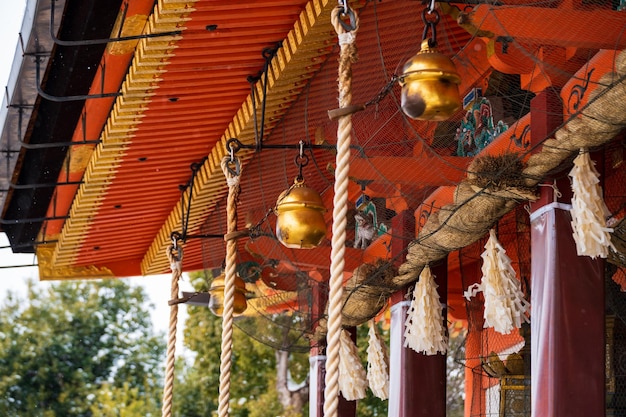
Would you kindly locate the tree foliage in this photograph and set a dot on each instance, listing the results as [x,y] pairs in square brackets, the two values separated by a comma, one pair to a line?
[253,373]
[253,388]
[455,383]
[79,349]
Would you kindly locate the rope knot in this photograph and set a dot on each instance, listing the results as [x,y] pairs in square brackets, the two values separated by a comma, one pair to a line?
[346,38]
[175,257]
[342,27]
[231,166]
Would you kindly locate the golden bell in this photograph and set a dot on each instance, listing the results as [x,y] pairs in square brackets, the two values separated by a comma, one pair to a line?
[216,301]
[300,220]
[430,85]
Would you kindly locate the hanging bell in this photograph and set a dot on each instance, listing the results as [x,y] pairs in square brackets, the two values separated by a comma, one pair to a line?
[300,220]
[430,85]
[216,300]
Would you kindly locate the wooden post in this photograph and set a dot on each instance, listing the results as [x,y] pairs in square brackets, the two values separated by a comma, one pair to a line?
[317,355]
[567,297]
[417,382]
[567,331]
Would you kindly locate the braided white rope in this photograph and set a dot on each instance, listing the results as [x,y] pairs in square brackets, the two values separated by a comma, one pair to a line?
[168,388]
[232,179]
[340,214]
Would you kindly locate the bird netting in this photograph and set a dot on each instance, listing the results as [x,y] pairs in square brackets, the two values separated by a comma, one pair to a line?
[456,179]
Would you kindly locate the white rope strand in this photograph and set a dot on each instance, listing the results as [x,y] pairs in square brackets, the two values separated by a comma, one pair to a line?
[229,287]
[340,214]
[168,388]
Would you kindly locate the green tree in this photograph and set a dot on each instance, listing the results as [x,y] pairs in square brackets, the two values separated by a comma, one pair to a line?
[255,382]
[79,349]
[370,406]
[253,391]
[455,362]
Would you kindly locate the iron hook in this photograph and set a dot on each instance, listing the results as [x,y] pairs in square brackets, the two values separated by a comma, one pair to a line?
[348,27]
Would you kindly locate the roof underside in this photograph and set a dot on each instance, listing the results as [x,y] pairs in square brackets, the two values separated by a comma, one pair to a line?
[159,105]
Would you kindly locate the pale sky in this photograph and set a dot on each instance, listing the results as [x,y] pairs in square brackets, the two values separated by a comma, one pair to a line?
[14,279]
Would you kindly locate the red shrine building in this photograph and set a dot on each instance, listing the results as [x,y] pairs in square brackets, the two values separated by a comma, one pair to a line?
[416,135]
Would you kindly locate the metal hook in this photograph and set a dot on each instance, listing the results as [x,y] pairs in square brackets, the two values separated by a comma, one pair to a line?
[237,169]
[175,236]
[232,154]
[301,161]
[344,5]
[430,23]
[432,7]
[176,252]
[348,27]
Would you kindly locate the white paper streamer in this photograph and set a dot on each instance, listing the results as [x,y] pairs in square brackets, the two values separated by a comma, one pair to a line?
[377,364]
[424,326]
[505,306]
[588,211]
[352,376]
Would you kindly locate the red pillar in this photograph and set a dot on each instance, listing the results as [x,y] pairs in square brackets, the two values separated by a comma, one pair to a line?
[567,297]
[567,331]
[317,354]
[474,392]
[417,382]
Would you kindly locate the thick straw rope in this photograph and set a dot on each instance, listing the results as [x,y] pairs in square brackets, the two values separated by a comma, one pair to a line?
[168,389]
[473,213]
[232,179]
[340,214]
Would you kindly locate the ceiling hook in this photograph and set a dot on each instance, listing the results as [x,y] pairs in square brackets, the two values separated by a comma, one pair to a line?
[344,5]
[432,7]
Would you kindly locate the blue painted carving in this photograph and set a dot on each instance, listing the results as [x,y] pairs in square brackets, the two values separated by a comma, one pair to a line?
[477,129]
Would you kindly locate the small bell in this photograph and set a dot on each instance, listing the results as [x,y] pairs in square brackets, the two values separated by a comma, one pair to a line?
[430,85]
[216,301]
[300,220]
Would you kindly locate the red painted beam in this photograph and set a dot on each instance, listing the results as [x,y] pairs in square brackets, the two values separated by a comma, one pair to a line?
[562,26]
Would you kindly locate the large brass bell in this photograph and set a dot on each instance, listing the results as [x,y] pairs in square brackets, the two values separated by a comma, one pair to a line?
[430,85]
[300,220]
[216,300]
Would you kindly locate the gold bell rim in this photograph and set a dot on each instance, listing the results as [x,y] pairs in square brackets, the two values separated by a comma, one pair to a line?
[219,283]
[429,74]
[299,195]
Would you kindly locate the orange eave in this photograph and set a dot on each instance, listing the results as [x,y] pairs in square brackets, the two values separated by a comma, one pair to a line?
[182,97]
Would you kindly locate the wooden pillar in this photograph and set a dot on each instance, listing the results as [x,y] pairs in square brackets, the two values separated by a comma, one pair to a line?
[417,382]
[317,354]
[474,392]
[317,378]
[567,297]
[567,330]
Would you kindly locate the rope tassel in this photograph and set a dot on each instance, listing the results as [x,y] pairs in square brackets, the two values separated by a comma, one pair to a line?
[589,211]
[377,364]
[505,306]
[352,377]
[424,328]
